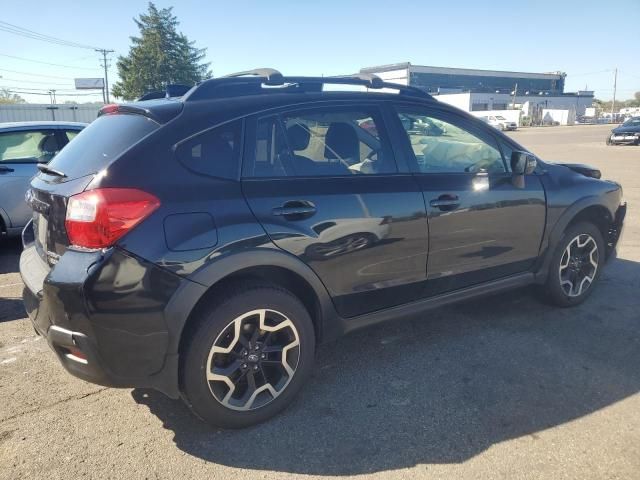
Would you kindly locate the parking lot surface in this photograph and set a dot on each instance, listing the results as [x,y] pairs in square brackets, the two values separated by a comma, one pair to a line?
[502,387]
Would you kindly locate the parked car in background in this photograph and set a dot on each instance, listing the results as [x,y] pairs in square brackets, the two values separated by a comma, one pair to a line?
[501,123]
[627,133]
[206,245]
[24,146]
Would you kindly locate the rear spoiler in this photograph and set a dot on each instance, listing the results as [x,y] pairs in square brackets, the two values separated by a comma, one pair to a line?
[159,111]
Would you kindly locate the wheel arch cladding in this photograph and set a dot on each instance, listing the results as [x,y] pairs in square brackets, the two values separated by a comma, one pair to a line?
[265,266]
[590,209]
[278,276]
[598,214]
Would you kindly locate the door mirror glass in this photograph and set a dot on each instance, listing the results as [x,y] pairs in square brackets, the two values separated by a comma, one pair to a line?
[523,163]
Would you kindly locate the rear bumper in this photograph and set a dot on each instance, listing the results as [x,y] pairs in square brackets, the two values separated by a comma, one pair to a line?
[103,314]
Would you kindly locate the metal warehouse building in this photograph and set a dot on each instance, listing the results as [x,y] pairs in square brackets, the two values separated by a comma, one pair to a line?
[480,90]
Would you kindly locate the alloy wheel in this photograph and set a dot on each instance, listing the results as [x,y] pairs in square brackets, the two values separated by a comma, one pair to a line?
[578,265]
[253,359]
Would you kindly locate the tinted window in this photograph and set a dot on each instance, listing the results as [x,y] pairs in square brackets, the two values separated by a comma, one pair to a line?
[443,146]
[28,147]
[322,142]
[214,152]
[101,142]
[271,150]
[71,134]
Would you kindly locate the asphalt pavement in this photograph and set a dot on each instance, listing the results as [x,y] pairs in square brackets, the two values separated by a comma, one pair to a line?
[502,387]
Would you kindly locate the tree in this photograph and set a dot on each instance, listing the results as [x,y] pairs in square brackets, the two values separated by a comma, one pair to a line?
[6,97]
[606,105]
[159,56]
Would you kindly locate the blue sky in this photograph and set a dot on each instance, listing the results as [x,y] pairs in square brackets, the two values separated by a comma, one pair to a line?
[586,39]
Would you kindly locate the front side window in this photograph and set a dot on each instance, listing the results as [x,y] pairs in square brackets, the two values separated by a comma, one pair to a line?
[323,142]
[444,146]
[28,147]
[214,152]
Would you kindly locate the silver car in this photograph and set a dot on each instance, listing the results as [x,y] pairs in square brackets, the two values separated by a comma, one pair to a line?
[24,145]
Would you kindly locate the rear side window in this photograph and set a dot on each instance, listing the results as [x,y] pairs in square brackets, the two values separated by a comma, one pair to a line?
[71,134]
[37,146]
[100,143]
[214,152]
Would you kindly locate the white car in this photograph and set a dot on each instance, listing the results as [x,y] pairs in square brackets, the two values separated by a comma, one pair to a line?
[501,123]
[24,147]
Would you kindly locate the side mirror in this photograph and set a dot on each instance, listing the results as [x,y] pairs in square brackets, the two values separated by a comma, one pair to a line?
[523,163]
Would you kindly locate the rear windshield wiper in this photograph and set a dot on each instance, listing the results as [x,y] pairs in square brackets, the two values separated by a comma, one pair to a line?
[51,171]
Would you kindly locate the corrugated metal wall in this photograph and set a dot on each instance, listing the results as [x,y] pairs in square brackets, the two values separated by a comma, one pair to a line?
[28,112]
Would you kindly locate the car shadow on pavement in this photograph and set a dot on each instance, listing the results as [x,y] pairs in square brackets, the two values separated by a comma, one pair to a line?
[440,388]
[10,249]
[11,309]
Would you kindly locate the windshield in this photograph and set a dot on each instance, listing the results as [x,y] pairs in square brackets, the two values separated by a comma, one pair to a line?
[100,143]
[632,122]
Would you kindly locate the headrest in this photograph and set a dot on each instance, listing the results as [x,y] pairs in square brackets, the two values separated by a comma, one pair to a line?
[341,141]
[298,136]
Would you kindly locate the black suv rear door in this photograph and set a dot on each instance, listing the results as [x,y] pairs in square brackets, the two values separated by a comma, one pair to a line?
[324,184]
[481,226]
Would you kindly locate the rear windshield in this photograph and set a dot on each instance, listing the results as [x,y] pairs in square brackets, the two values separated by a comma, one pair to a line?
[100,143]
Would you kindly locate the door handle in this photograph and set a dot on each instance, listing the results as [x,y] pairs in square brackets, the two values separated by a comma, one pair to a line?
[4,169]
[295,210]
[446,201]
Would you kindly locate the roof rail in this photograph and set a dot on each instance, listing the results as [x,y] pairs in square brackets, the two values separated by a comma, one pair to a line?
[271,75]
[368,80]
[252,82]
[171,90]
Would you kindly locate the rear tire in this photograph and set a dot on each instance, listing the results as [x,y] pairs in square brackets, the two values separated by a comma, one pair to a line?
[247,356]
[576,265]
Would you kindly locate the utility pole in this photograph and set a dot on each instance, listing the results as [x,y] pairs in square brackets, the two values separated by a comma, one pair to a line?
[104,53]
[54,96]
[513,99]
[615,83]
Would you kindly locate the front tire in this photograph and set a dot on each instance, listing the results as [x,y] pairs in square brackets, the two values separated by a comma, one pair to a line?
[576,265]
[248,355]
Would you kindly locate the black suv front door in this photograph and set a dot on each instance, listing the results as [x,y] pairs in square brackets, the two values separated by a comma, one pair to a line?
[481,226]
[324,184]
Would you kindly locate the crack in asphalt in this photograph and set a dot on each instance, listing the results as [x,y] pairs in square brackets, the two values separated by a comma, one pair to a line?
[45,407]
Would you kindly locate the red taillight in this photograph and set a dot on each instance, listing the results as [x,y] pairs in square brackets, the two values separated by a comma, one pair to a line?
[97,218]
[109,109]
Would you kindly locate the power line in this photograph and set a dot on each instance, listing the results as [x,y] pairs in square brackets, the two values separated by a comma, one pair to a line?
[25,32]
[47,63]
[47,94]
[13,87]
[628,74]
[36,82]
[35,74]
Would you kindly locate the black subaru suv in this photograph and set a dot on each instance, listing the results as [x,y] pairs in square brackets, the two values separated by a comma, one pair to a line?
[628,133]
[205,242]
